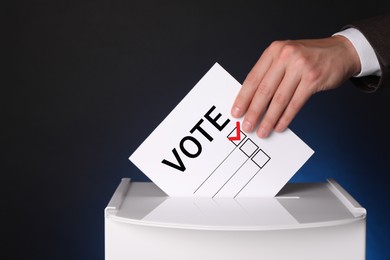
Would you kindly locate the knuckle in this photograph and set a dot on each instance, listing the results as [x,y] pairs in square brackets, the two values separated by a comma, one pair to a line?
[264,90]
[313,75]
[276,45]
[312,80]
[274,49]
[294,106]
[270,120]
[303,62]
[287,51]
[252,115]
[280,99]
[251,78]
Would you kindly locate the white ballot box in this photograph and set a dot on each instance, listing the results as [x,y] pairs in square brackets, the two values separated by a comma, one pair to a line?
[304,221]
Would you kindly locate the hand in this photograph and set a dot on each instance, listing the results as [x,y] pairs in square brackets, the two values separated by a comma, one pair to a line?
[287,74]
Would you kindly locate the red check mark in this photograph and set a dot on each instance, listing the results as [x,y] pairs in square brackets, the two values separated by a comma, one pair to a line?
[238,133]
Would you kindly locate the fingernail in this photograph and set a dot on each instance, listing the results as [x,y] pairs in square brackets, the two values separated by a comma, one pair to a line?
[262,132]
[247,126]
[279,128]
[236,112]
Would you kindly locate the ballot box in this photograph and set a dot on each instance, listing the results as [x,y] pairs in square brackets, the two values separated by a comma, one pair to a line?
[304,221]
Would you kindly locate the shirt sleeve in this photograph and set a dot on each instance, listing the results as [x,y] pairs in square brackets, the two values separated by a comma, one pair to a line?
[376,30]
[368,59]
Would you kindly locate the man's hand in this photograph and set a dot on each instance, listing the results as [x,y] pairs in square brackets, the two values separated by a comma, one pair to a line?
[287,74]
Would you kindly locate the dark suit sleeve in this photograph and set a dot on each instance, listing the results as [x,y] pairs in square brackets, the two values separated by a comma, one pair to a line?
[377,31]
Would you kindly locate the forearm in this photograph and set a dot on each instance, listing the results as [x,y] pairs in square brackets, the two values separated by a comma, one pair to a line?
[377,32]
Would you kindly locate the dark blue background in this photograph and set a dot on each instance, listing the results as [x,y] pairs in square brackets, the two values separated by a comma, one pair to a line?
[85,82]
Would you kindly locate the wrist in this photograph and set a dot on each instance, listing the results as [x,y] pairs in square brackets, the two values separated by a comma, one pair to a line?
[351,55]
[369,63]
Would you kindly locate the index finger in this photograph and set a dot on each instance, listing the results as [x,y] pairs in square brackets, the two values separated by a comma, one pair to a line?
[249,87]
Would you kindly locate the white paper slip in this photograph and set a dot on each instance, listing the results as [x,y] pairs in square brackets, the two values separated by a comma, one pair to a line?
[199,149]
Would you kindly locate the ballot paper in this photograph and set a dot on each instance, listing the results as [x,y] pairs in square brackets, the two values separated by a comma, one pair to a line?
[199,149]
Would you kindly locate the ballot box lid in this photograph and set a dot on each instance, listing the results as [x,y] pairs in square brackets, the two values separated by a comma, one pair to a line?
[298,205]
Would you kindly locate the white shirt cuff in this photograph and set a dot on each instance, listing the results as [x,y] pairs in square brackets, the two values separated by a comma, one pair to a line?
[368,60]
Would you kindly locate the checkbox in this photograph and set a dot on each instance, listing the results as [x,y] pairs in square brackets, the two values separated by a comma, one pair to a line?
[233,133]
[249,147]
[261,158]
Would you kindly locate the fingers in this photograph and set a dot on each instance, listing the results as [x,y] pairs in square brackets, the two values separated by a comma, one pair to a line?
[249,87]
[263,95]
[287,74]
[277,93]
[277,113]
[278,116]
[300,97]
